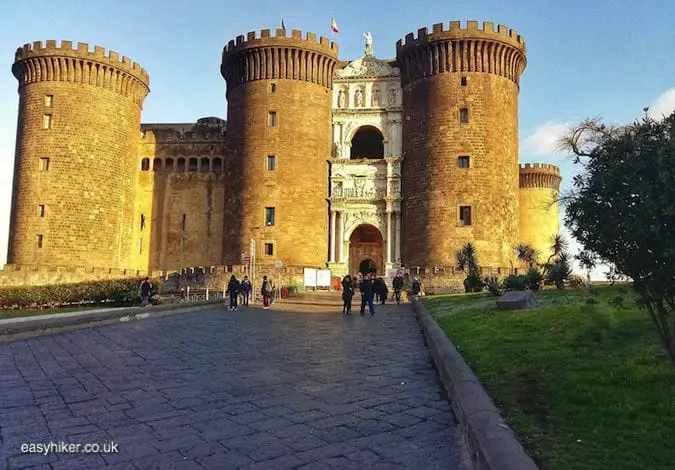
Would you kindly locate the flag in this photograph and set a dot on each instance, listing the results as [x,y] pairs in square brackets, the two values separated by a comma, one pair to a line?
[283,26]
[333,26]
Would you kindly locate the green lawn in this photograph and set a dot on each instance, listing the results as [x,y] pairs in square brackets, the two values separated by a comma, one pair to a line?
[4,314]
[584,385]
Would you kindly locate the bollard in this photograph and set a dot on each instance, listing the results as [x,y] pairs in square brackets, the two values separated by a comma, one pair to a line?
[188,293]
[207,293]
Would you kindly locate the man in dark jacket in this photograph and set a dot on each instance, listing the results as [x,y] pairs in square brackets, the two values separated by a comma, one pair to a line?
[145,291]
[367,291]
[397,284]
[233,290]
[245,290]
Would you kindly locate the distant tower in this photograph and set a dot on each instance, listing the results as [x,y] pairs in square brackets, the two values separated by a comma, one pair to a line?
[539,208]
[76,158]
[460,142]
[279,133]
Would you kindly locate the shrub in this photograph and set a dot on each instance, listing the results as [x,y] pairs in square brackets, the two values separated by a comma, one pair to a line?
[534,280]
[115,292]
[515,282]
[493,286]
[576,282]
[473,283]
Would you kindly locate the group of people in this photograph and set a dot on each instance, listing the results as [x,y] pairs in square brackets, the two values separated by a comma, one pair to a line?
[235,288]
[372,290]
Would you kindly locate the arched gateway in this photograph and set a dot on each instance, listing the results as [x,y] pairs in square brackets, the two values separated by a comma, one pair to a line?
[366,249]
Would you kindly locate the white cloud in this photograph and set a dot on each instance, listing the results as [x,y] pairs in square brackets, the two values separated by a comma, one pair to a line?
[664,105]
[543,142]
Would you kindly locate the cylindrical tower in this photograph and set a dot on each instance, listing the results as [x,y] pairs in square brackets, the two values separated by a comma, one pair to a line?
[460,142]
[539,207]
[76,156]
[279,136]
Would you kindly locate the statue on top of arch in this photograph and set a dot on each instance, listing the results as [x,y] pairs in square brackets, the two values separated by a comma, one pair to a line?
[369,43]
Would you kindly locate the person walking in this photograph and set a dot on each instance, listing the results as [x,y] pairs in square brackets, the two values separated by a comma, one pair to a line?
[145,291]
[416,287]
[233,288]
[347,294]
[266,291]
[367,291]
[384,290]
[397,284]
[245,291]
[377,289]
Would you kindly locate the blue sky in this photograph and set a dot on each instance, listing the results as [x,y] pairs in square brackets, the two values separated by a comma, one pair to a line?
[599,58]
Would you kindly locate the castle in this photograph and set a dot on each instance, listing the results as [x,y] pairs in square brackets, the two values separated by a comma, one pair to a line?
[321,162]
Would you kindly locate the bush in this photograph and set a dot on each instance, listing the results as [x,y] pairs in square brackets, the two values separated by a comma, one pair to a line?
[515,282]
[576,282]
[534,280]
[493,286]
[115,292]
[473,283]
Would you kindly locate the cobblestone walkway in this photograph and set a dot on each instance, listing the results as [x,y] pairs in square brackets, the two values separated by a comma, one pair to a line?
[218,390]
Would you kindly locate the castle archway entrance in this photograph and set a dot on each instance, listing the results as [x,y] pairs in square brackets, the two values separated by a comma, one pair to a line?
[366,250]
[368,142]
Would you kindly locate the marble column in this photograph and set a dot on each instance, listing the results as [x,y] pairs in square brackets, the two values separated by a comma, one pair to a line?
[389,235]
[332,237]
[341,232]
[397,216]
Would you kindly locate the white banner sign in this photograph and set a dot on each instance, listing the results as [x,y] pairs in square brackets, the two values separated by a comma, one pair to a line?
[310,277]
[323,278]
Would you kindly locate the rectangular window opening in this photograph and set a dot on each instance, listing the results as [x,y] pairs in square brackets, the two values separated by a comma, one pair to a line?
[142,222]
[463,161]
[183,223]
[465,215]
[269,249]
[41,210]
[44,164]
[39,241]
[273,88]
[272,119]
[463,81]
[47,121]
[464,115]
[269,216]
[271,163]
[49,100]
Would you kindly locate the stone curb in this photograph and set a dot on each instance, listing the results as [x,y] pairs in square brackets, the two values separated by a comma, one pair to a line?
[490,441]
[23,327]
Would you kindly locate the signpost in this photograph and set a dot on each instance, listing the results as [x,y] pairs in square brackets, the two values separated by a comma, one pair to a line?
[251,268]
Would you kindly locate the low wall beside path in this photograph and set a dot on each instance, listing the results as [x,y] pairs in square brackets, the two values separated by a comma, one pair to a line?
[490,441]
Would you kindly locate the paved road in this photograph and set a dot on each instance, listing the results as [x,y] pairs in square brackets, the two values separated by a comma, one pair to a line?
[295,387]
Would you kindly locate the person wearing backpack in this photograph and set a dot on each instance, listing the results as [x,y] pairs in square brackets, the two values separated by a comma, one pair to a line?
[233,290]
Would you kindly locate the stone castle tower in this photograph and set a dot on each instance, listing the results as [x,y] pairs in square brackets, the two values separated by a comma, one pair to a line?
[278,114]
[75,174]
[321,163]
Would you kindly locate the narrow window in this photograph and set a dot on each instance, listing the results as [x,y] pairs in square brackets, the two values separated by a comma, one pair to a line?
[49,101]
[183,223]
[142,222]
[269,249]
[47,121]
[145,164]
[44,163]
[463,162]
[39,241]
[41,210]
[269,216]
[464,115]
[273,88]
[271,163]
[272,119]
[140,245]
[463,81]
[157,164]
[465,215]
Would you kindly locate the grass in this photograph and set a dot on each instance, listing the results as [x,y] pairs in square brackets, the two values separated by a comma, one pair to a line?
[585,385]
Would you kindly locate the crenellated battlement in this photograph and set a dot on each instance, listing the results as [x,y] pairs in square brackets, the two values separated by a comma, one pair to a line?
[267,57]
[472,30]
[494,50]
[540,175]
[53,62]
[265,38]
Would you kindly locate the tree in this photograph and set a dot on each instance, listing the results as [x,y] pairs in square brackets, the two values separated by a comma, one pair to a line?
[467,261]
[559,245]
[526,254]
[622,208]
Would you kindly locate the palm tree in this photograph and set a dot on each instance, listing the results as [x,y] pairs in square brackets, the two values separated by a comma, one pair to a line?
[526,254]
[559,245]
[466,258]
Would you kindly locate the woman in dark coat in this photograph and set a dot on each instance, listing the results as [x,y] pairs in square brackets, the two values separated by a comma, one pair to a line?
[347,294]
[233,291]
